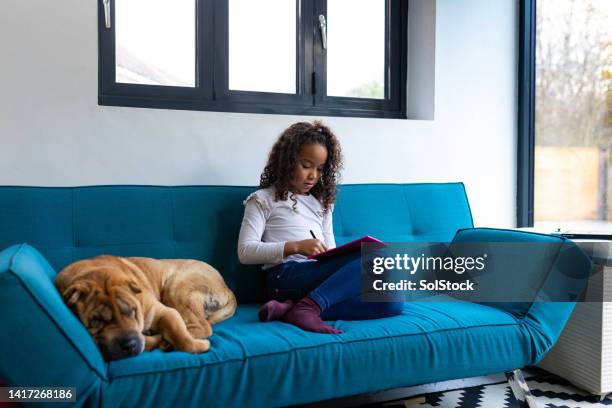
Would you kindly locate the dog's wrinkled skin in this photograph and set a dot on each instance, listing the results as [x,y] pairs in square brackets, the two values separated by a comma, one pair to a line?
[135,304]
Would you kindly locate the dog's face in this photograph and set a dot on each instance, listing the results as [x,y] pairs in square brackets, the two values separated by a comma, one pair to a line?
[106,302]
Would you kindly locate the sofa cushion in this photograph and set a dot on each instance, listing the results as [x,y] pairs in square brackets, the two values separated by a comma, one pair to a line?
[428,342]
[423,212]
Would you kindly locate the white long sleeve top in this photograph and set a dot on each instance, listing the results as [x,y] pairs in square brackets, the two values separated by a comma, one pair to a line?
[268,224]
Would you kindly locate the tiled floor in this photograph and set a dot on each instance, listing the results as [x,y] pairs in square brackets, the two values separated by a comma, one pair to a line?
[549,391]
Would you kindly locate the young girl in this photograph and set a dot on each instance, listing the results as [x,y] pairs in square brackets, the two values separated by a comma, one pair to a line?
[288,219]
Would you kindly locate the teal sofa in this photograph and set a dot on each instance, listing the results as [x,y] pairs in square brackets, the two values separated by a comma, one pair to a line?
[250,363]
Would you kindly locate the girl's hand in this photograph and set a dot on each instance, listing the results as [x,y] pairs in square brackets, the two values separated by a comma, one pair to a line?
[305,247]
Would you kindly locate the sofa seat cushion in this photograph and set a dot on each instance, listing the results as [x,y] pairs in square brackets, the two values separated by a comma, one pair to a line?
[429,341]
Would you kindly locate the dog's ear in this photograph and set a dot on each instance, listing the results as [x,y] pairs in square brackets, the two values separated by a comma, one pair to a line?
[74,292]
[134,286]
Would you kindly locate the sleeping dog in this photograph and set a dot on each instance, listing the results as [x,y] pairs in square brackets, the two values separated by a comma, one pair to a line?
[133,304]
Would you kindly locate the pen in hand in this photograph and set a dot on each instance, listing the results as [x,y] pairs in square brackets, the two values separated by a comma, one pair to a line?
[315,237]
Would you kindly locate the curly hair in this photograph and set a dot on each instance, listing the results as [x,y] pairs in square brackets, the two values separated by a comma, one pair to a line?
[282,162]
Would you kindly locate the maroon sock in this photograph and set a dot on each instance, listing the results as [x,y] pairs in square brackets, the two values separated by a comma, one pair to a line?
[274,310]
[306,314]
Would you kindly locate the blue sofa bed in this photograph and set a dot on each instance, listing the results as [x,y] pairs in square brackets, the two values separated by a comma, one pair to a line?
[250,363]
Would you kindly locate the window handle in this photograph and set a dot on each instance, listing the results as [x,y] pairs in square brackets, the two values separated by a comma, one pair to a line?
[323,28]
[107,16]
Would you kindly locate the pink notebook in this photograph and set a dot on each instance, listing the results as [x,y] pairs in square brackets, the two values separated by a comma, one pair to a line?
[345,249]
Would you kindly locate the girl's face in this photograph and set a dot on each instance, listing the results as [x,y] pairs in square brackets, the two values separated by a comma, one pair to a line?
[309,167]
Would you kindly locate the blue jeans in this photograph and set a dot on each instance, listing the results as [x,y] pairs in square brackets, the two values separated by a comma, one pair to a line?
[335,284]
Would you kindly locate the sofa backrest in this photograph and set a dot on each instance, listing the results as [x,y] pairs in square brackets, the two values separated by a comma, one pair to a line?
[202,222]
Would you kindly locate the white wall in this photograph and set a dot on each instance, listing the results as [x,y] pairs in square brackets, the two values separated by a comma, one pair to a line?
[53,133]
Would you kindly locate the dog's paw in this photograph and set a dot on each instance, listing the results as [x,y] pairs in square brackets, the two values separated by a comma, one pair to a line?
[198,346]
[152,341]
[165,345]
[200,331]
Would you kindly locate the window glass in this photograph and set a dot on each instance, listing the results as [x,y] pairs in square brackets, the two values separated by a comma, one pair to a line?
[155,43]
[356,48]
[259,56]
[262,45]
[573,129]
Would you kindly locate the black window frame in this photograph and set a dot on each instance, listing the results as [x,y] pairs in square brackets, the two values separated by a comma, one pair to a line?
[526,114]
[211,91]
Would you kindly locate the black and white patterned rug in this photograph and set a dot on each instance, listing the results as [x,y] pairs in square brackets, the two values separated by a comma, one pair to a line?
[549,391]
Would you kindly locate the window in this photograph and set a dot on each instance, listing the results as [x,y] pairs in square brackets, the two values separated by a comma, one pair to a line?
[311,57]
[567,133]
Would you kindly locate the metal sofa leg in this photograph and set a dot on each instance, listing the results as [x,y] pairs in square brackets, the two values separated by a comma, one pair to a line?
[520,389]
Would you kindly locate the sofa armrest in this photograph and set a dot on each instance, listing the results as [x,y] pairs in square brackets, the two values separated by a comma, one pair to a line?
[42,342]
[554,273]
[569,275]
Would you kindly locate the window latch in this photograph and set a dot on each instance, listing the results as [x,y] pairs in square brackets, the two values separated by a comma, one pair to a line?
[107,12]
[323,28]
